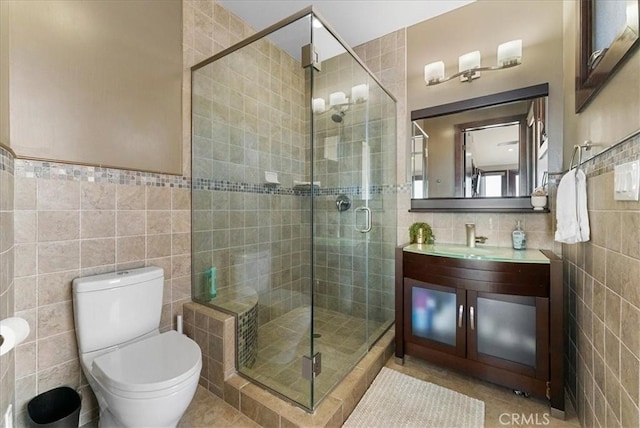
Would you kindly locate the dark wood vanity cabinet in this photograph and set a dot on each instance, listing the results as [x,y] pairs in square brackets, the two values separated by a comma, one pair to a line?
[499,321]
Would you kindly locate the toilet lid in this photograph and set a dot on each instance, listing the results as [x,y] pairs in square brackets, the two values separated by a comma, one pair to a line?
[152,364]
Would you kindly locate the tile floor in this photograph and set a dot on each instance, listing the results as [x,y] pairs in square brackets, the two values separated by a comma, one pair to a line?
[208,410]
[502,407]
[283,341]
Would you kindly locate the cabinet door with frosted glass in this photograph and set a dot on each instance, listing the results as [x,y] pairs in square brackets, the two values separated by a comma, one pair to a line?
[434,316]
[509,332]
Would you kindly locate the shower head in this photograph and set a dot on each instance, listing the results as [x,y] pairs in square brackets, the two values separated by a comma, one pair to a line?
[337,117]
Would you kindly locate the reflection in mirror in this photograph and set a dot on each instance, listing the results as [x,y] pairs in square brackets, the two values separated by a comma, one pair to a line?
[419,157]
[491,161]
[609,30]
[608,19]
[497,151]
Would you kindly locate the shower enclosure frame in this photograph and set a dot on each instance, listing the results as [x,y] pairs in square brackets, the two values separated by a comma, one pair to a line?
[312,12]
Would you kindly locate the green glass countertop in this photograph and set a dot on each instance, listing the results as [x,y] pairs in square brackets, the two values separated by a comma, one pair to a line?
[480,252]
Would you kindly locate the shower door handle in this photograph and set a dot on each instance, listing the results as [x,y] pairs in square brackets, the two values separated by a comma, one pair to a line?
[367,211]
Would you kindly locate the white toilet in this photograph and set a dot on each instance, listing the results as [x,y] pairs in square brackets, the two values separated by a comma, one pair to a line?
[141,377]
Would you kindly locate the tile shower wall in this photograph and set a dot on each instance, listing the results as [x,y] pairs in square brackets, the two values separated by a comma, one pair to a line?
[340,251]
[208,28]
[7,289]
[73,221]
[247,121]
[386,58]
[601,280]
[255,243]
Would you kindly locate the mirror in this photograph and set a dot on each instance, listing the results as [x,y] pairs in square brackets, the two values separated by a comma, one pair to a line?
[486,153]
[608,32]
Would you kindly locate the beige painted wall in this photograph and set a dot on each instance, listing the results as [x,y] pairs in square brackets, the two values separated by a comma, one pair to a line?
[97,82]
[615,111]
[4,73]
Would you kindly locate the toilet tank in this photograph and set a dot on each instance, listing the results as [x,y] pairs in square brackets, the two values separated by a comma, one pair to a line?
[113,308]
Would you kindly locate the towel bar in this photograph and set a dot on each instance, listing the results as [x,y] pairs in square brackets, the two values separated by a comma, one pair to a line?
[578,149]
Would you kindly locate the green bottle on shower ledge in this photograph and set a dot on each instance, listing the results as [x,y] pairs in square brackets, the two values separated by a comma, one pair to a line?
[210,280]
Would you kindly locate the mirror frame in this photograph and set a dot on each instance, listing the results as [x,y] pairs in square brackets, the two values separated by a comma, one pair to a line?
[503,204]
[590,81]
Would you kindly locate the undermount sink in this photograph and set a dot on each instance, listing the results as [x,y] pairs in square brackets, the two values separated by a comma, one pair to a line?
[503,254]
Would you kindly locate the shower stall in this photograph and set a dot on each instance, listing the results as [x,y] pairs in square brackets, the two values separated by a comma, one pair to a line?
[294,204]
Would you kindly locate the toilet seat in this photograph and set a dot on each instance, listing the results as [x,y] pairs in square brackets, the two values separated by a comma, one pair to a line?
[153,367]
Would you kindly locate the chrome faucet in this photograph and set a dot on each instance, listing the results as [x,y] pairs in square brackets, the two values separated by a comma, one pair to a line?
[472,239]
[471,234]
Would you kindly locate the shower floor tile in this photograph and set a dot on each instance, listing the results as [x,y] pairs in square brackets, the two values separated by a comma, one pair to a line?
[284,341]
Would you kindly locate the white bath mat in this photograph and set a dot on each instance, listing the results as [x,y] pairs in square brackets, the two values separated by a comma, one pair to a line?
[397,400]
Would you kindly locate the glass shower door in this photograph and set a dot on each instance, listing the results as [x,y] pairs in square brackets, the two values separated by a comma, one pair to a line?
[293,205]
[339,128]
[353,157]
[251,224]
[380,170]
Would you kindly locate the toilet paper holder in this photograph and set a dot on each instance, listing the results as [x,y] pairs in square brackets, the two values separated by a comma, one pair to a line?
[13,331]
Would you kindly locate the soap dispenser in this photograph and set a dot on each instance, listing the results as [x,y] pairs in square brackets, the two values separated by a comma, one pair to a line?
[519,237]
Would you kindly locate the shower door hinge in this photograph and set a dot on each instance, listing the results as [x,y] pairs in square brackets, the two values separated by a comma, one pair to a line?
[310,57]
[311,366]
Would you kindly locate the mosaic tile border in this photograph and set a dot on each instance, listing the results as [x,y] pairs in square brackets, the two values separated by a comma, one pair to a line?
[404,188]
[625,151]
[356,190]
[95,174]
[228,186]
[7,162]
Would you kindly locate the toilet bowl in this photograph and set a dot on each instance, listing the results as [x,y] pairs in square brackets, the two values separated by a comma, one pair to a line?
[141,377]
[146,383]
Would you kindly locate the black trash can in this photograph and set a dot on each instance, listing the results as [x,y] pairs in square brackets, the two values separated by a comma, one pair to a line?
[57,408]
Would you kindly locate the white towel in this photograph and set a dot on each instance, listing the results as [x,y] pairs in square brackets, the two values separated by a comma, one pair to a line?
[571,208]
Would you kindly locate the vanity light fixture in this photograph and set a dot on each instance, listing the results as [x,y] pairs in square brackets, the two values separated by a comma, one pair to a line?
[469,67]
